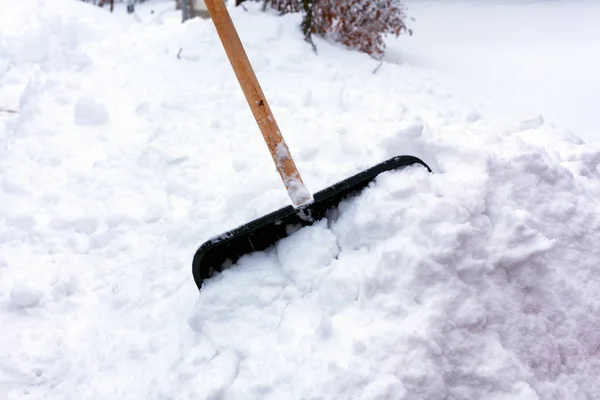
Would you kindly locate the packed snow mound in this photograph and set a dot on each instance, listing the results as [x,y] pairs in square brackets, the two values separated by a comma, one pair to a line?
[477,281]
[467,284]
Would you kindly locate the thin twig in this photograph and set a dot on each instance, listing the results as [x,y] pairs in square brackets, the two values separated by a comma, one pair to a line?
[308,38]
[380,63]
[179,53]
[8,110]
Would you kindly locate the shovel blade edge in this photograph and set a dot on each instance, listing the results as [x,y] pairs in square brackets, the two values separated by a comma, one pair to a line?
[260,234]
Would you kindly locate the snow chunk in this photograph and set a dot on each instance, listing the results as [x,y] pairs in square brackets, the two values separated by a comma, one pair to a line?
[4,64]
[86,224]
[306,254]
[384,387]
[14,186]
[21,221]
[34,47]
[80,60]
[64,287]
[79,243]
[82,224]
[154,212]
[25,295]
[339,289]
[116,218]
[89,111]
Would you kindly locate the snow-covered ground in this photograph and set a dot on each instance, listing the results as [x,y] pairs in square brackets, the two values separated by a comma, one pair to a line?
[511,58]
[133,144]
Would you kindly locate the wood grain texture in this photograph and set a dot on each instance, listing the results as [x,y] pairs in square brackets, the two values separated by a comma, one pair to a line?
[257,101]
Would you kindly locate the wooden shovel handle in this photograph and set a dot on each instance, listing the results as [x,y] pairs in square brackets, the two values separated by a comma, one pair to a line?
[257,102]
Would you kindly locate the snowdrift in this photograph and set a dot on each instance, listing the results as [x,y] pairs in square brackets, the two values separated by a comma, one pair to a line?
[132,145]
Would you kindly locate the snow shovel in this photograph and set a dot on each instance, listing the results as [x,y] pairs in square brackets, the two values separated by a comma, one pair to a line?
[258,235]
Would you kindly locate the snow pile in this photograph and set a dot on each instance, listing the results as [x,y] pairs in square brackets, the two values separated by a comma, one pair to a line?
[479,281]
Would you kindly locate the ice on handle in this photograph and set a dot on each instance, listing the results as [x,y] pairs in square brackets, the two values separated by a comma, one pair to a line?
[296,189]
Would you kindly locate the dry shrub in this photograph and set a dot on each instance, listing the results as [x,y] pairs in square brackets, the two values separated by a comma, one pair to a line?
[357,24]
[284,6]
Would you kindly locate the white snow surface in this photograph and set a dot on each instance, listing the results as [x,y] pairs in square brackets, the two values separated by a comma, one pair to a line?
[512,58]
[479,281]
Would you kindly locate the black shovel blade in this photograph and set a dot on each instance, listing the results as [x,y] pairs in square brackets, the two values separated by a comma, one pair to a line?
[262,233]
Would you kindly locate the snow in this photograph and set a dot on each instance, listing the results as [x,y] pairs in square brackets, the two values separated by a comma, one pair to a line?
[90,112]
[512,58]
[23,295]
[479,281]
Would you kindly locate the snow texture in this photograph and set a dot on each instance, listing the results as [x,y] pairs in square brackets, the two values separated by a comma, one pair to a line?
[90,112]
[479,281]
[511,58]
[22,295]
